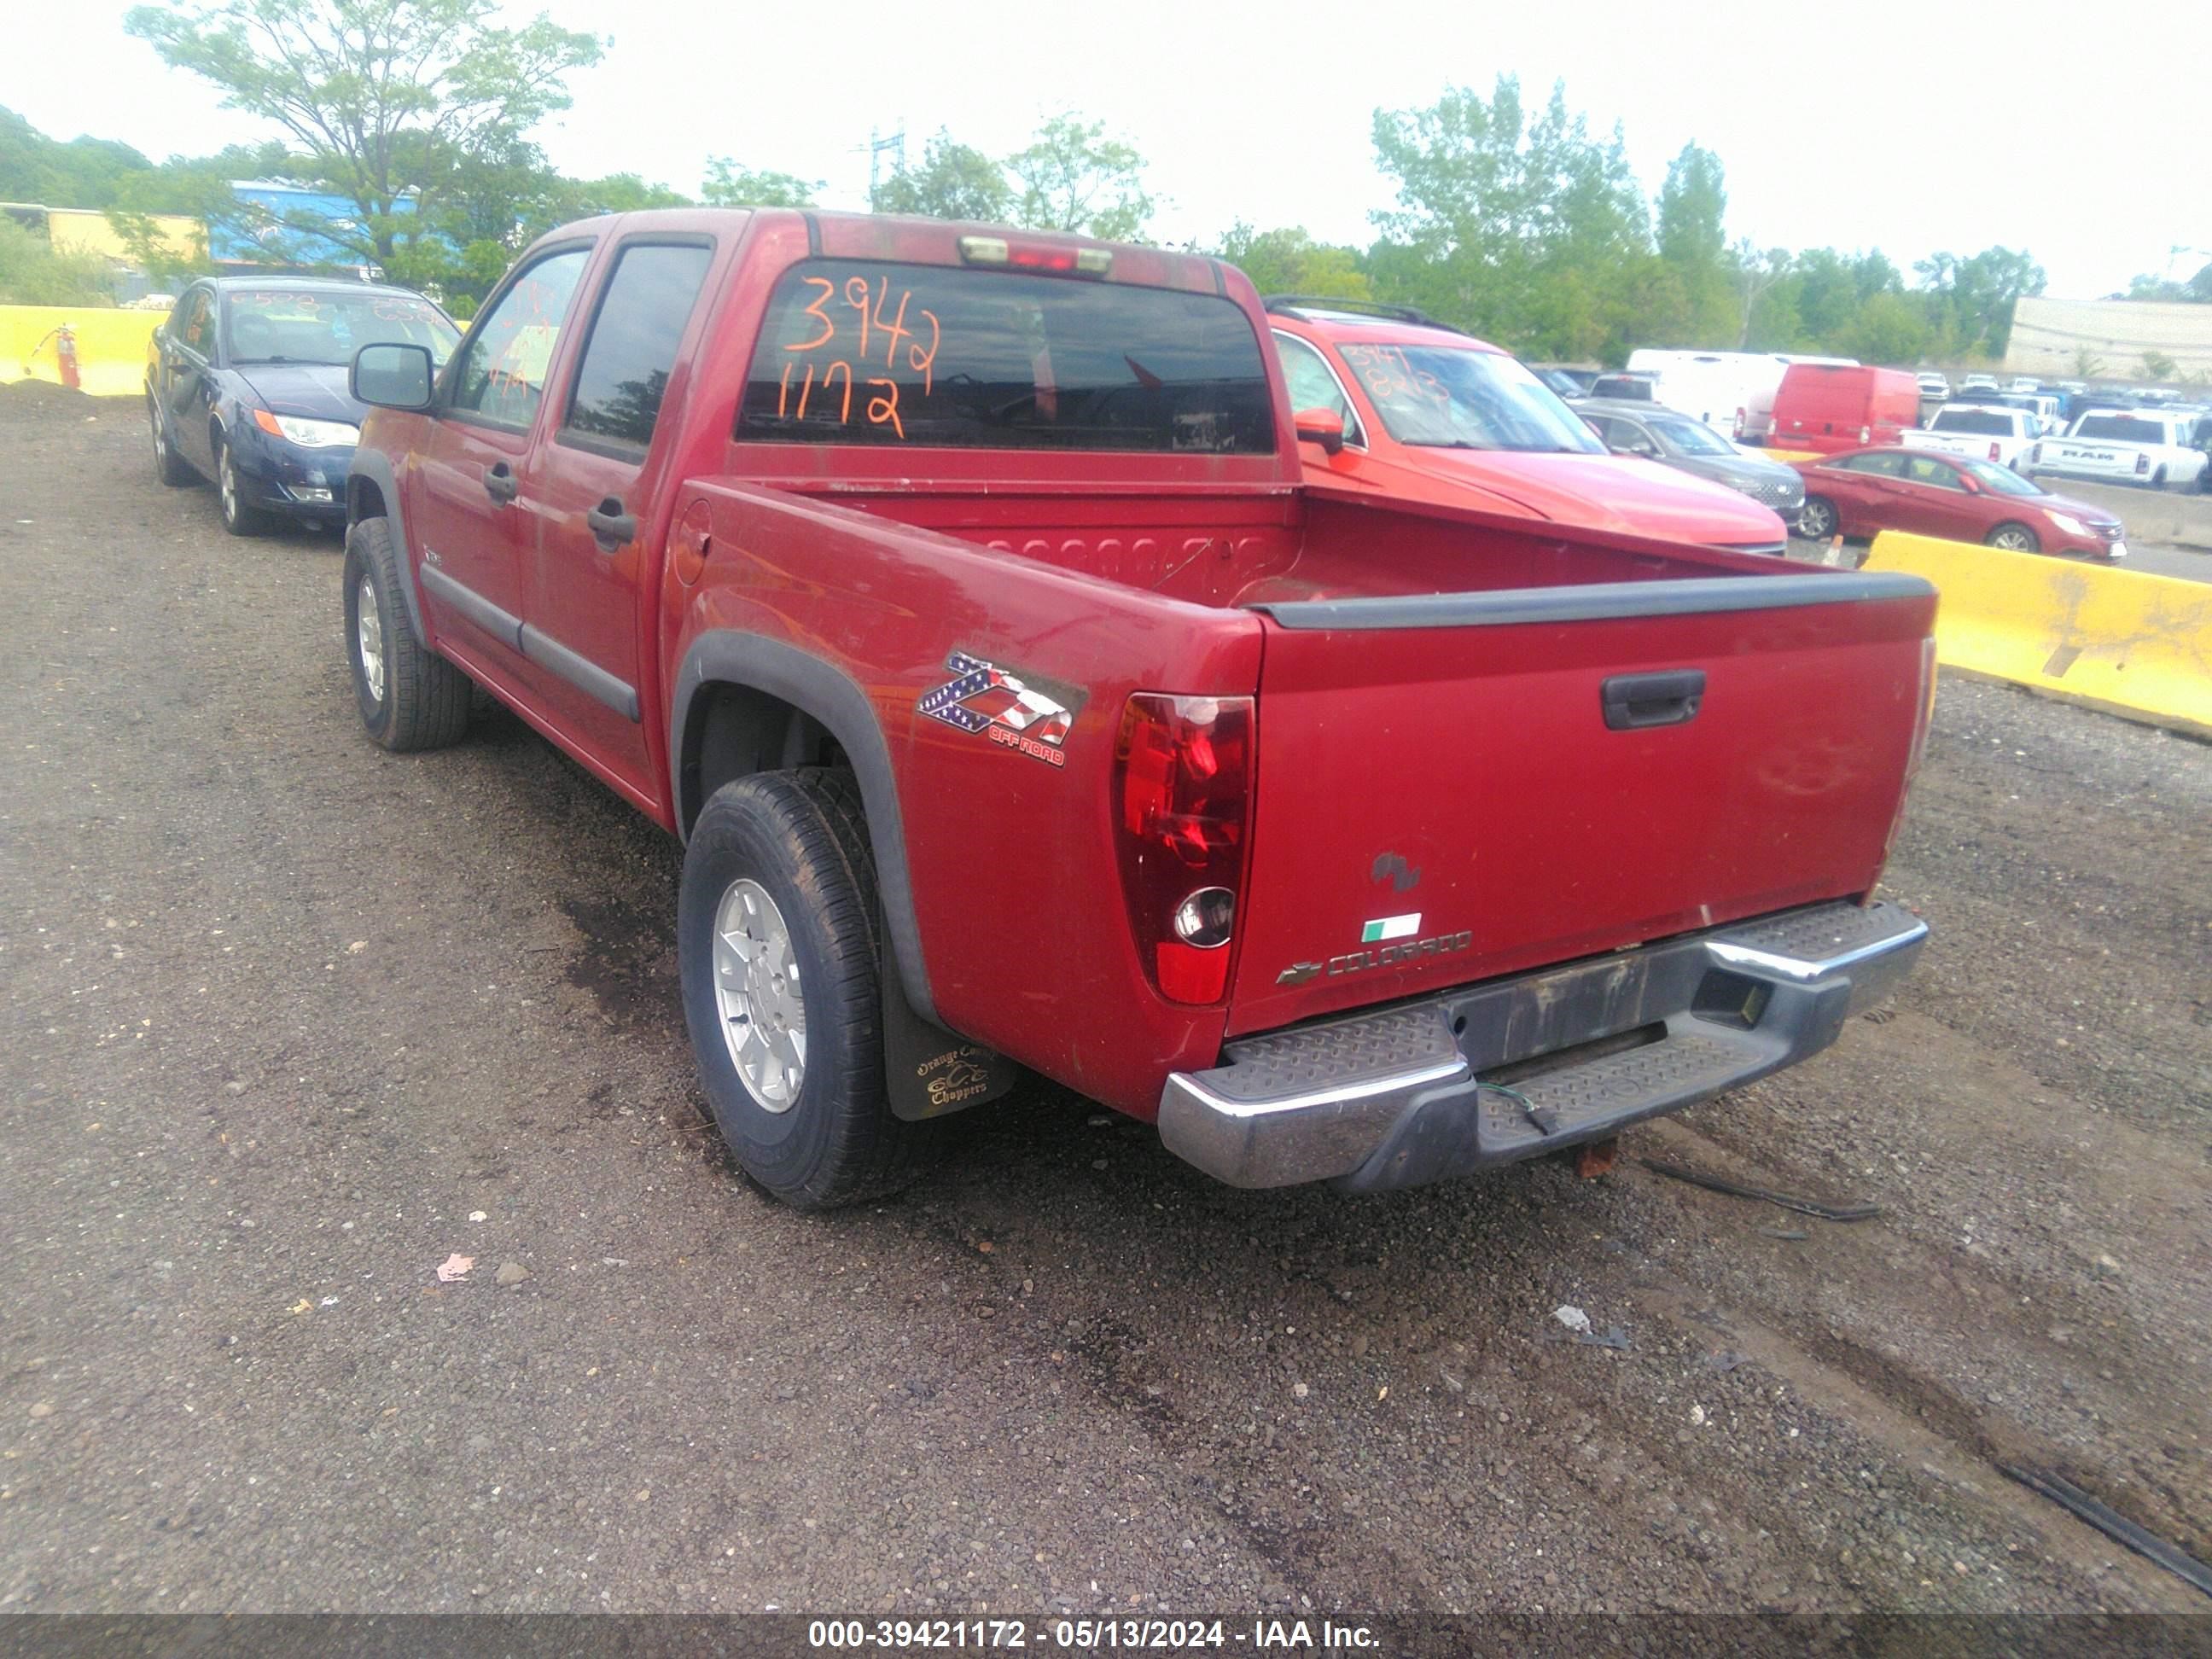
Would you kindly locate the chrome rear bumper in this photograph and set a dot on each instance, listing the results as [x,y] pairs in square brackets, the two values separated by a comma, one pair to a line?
[1510,1068]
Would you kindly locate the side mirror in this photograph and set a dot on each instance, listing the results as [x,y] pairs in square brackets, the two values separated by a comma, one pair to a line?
[1969,484]
[1324,427]
[1642,447]
[392,376]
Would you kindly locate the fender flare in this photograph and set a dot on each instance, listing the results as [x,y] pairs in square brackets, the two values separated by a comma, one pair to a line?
[376,467]
[826,694]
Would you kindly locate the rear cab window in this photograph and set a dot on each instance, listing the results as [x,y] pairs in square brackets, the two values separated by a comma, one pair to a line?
[630,352]
[865,352]
[2121,430]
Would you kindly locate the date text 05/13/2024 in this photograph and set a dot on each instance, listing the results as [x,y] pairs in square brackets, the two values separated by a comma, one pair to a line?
[1090,1635]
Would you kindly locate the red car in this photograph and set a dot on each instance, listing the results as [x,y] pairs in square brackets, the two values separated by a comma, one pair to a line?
[1868,490]
[1427,414]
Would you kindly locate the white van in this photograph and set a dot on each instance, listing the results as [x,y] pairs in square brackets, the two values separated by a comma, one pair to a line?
[1717,387]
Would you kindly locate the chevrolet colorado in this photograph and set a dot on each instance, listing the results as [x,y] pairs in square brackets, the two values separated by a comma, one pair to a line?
[955,594]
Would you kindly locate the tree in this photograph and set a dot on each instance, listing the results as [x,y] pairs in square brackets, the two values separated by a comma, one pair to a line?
[1972,300]
[729,185]
[1753,273]
[1692,239]
[2157,366]
[1525,229]
[384,99]
[2198,290]
[1888,329]
[1072,177]
[2088,364]
[1289,261]
[954,181]
[33,274]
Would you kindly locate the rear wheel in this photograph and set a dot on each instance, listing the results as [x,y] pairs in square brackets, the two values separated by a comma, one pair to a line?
[2015,538]
[1817,521]
[2157,479]
[776,939]
[409,697]
[168,466]
[239,516]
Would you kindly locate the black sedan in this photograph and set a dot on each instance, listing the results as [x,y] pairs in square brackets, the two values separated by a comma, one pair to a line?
[1660,434]
[245,384]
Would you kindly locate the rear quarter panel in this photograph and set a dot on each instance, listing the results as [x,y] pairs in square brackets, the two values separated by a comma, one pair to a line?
[1011,858]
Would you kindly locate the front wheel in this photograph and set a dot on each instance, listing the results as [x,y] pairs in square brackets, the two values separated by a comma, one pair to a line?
[2015,538]
[1816,521]
[408,696]
[168,466]
[779,958]
[239,516]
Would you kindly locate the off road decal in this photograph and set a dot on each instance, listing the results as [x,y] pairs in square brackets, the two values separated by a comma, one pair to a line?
[983,698]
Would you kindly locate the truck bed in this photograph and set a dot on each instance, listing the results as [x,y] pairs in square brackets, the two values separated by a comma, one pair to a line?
[1504,745]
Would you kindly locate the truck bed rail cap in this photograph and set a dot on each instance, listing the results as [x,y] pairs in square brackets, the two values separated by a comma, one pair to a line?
[1599,602]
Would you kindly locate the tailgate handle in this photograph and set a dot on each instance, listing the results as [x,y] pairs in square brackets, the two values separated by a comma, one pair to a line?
[1632,702]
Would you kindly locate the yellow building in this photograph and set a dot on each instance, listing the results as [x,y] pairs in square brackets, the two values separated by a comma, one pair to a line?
[88,230]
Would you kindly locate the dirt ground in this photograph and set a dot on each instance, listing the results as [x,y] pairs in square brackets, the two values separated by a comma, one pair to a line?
[288,1021]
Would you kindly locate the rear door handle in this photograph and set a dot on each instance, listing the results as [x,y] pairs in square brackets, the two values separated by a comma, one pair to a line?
[1633,702]
[610,525]
[500,482]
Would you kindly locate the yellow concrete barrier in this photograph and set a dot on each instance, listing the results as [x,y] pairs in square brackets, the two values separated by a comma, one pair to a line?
[1786,456]
[111,346]
[2118,640]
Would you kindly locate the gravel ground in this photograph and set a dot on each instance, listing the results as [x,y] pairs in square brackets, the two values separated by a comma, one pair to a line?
[289,1021]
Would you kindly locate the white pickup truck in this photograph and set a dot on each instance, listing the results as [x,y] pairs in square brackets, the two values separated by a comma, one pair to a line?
[2127,445]
[1988,432]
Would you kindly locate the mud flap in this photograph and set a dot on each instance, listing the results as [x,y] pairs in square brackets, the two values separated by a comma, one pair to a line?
[929,1071]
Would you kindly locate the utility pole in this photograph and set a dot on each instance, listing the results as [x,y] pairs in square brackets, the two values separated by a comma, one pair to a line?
[893,145]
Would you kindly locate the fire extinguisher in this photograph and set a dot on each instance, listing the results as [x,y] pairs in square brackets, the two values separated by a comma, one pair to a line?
[64,339]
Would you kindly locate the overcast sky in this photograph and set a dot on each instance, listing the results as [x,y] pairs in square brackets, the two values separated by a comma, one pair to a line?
[2077,132]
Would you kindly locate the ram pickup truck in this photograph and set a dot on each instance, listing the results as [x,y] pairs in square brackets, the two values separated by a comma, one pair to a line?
[2151,447]
[1986,432]
[955,594]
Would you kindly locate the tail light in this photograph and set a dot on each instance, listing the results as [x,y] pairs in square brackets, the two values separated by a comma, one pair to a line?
[1866,435]
[2142,463]
[1996,450]
[1183,776]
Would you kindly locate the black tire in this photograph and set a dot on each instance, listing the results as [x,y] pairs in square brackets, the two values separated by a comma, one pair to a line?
[2157,479]
[170,467]
[1816,519]
[2014,538]
[801,836]
[423,702]
[239,516]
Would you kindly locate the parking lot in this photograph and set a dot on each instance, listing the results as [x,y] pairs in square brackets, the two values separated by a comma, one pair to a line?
[290,1021]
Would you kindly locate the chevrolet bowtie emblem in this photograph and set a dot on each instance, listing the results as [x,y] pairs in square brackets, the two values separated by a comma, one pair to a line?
[1298,973]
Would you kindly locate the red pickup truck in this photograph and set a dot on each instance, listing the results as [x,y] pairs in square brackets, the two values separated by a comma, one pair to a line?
[954,593]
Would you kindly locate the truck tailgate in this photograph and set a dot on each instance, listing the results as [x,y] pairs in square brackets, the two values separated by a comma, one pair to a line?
[1451,787]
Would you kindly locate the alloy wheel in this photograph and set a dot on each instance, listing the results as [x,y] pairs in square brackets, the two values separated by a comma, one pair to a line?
[757,994]
[368,629]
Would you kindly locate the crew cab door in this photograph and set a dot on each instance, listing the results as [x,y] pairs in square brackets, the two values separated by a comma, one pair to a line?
[587,495]
[464,518]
